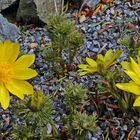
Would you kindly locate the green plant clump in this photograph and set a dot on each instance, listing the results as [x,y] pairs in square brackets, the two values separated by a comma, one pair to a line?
[37,113]
[114,74]
[64,37]
[77,124]
[74,95]
[131,43]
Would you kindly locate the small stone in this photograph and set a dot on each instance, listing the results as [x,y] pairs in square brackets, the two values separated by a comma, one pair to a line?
[4,116]
[31,51]
[110,45]
[125,127]
[112,11]
[73,74]
[33,45]
[98,18]
[107,19]
[82,18]
[93,17]
[57,119]
[83,29]
[96,43]
[93,49]
[98,27]
[130,14]
[49,128]
[107,12]
[118,2]
[93,138]
[138,131]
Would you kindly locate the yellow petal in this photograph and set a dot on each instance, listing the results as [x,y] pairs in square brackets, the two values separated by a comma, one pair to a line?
[4,97]
[133,76]
[12,51]
[126,65]
[137,101]
[83,73]
[19,88]
[83,66]
[135,67]
[110,61]
[91,62]
[1,44]
[138,57]
[87,68]
[116,54]
[129,87]
[24,61]
[100,58]
[7,43]
[9,51]
[109,64]
[24,74]
[108,55]
[2,52]
[100,61]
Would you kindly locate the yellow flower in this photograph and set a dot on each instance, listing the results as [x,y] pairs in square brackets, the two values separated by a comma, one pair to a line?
[13,72]
[133,71]
[101,64]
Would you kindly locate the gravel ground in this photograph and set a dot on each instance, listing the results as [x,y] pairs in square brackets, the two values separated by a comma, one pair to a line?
[32,41]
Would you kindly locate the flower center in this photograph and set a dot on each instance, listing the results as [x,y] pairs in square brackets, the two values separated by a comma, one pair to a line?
[6,73]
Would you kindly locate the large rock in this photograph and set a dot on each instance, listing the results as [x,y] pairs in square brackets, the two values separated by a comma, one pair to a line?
[34,11]
[46,8]
[7,30]
[90,3]
[27,12]
[6,3]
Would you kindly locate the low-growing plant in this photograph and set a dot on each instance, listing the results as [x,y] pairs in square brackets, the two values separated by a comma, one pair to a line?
[131,43]
[110,74]
[74,96]
[77,124]
[101,65]
[35,112]
[64,38]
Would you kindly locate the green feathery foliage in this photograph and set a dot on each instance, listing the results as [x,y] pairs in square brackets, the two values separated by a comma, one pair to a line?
[22,133]
[64,37]
[36,112]
[77,124]
[74,95]
[132,44]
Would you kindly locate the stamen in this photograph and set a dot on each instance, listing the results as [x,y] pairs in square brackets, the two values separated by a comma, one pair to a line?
[6,73]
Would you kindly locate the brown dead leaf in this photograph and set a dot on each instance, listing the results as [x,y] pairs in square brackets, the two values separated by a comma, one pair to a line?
[130,133]
[103,30]
[87,11]
[100,6]
[133,2]
[82,18]
[131,26]
[114,106]
[106,27]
